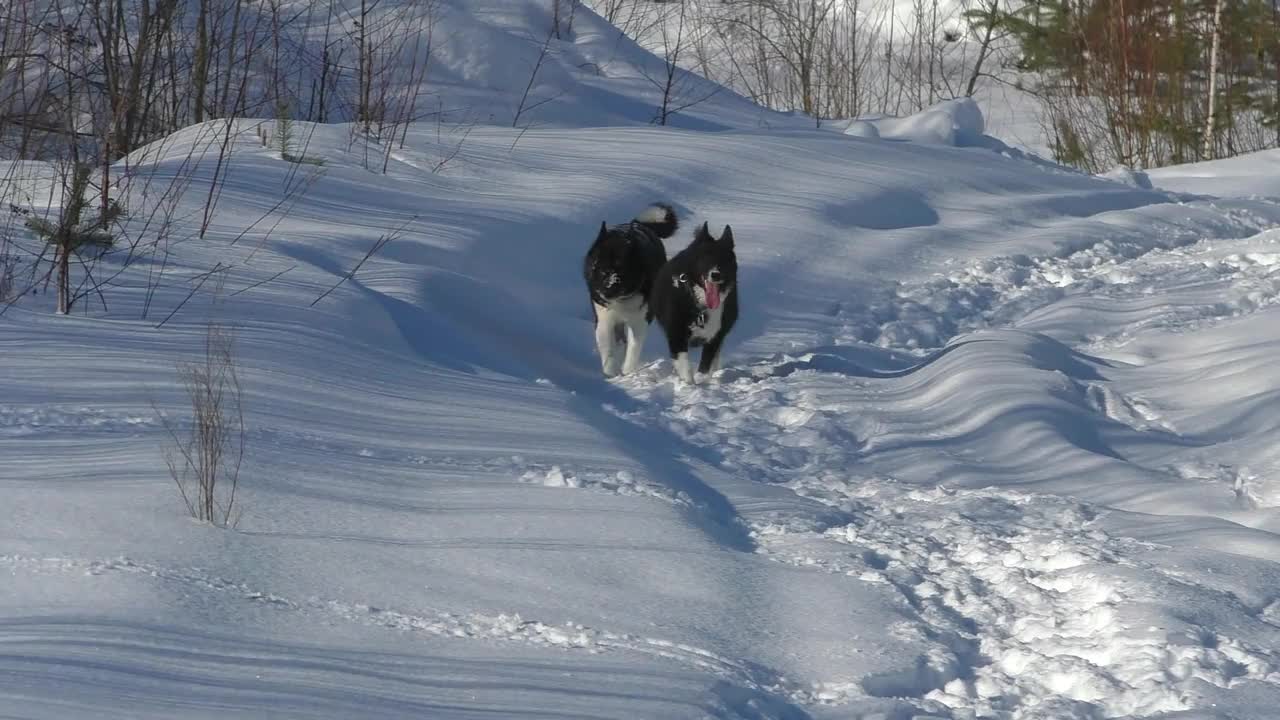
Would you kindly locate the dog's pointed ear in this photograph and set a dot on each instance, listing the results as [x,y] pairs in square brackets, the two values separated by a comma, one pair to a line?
[703,234]
[727,238]
[604,230]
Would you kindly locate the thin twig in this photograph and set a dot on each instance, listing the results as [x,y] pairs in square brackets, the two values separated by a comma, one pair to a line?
[203,278]
[381,242]
[262,282]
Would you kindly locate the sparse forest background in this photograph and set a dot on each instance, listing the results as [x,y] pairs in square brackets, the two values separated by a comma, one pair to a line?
[1140,83]
[1134,82]
[117,74]
[84,84]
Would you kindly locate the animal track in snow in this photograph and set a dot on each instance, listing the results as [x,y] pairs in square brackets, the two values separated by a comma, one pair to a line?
[1240,481]
[620,482]
[32,420]
[1032,602]
[501,627]
[1206,281]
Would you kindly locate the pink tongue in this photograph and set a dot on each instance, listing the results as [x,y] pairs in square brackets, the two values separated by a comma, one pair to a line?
[713,295]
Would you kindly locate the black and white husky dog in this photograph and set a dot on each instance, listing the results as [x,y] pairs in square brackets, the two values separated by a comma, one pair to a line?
[620,269]
[695,299]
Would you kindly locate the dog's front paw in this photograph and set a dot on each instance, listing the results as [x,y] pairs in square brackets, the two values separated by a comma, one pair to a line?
[684,370]
[610,368]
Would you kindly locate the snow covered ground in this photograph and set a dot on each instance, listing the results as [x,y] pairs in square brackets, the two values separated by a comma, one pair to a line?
[993,439]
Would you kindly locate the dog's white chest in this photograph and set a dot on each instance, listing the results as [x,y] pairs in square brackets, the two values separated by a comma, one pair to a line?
[707,324]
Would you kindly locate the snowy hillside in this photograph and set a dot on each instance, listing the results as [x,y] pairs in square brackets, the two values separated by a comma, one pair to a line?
[486,53]
[993,438]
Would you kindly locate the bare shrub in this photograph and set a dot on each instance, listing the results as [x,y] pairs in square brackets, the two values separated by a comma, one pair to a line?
[543,51]
[204,458]
[673,82]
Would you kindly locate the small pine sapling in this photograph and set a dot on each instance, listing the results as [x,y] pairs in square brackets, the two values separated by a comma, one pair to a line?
[71,233]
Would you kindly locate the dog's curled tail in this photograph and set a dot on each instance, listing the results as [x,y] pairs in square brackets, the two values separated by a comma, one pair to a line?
[660,218]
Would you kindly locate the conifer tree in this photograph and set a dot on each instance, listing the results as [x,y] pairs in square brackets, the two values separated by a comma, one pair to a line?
[72,232]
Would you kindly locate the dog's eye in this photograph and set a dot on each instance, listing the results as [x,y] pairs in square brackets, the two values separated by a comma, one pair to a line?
[682,278]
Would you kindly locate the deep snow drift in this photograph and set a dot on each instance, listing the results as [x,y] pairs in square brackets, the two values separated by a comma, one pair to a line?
[993,439]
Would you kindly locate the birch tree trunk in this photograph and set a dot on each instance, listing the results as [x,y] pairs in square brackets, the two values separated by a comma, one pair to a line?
[1208,148]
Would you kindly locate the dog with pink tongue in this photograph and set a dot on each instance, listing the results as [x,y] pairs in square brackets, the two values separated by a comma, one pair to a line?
[695,300]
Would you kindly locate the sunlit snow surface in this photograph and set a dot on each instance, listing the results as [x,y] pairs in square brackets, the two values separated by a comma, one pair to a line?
[993,439]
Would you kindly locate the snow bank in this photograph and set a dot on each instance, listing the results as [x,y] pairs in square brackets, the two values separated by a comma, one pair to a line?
[1128,176]
[1253,175]
[862,128]
[951,122]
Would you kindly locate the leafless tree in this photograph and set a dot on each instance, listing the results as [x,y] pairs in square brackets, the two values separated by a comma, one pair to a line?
[673,81]
[792,31]
[828,58]
[989,22]
[544,50]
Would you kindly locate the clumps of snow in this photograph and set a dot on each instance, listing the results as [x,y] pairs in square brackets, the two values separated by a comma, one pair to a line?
[1033,600]
[554,477]
[956,122]
[617,482]
[560,475]
[754,425]
[1214,279]
[1241,481]
[1130,410]
[30,420]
